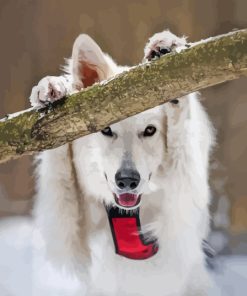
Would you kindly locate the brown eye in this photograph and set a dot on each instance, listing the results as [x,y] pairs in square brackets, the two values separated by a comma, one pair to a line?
[175,101]
[149,131]
[107,132]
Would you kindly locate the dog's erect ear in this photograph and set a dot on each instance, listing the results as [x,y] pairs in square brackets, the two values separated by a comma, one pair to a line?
[89,64]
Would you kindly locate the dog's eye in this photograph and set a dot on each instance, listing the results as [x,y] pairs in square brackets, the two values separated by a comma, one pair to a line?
[175,101]
[107,132]
[149,131]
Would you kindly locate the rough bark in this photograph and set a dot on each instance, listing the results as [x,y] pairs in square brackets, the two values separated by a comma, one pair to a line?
[204,64]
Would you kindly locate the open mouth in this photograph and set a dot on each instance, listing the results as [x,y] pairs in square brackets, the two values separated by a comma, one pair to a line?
[127,200]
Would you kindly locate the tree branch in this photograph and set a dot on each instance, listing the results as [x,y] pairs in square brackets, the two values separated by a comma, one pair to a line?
[145,86]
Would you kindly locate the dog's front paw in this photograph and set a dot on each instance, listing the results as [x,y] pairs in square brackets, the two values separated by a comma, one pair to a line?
[163,43]
[48,90]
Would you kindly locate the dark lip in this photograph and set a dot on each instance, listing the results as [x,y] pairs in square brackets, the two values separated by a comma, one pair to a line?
[137,203]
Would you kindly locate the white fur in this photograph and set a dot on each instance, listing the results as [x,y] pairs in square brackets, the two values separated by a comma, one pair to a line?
[73,223]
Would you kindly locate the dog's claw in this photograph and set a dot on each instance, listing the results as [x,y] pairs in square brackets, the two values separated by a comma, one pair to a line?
[48,90]
[160,51]
[161,44]
[164,50]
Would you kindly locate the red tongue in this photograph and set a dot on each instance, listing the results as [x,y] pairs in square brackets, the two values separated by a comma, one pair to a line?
[127,199]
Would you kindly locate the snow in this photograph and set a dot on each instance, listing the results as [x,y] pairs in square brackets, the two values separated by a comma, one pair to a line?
[229,274]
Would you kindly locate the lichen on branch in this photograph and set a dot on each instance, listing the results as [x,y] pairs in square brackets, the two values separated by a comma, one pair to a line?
[145,86]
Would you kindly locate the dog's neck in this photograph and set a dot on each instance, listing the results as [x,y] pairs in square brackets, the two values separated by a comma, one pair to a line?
[125,227]
[127,236]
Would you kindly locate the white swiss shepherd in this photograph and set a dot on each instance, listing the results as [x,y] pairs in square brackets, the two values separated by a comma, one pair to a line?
[154,164]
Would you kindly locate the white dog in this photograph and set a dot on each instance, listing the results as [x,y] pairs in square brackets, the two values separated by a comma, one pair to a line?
[126,209]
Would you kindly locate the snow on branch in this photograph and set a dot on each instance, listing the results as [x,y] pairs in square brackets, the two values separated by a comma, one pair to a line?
[145,86]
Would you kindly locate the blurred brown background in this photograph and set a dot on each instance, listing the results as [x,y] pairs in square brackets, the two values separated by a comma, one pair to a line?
[37,34]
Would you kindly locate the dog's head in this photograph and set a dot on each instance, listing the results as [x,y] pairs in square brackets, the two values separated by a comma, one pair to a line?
[126,155]
[132,152]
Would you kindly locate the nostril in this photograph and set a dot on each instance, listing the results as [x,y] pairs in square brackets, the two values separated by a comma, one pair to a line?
[127,179]
[121,185]
[133,185]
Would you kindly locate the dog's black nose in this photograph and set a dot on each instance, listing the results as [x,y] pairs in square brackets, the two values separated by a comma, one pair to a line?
[127,179]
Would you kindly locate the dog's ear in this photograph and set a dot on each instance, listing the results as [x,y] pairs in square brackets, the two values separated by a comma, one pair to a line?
[89,64]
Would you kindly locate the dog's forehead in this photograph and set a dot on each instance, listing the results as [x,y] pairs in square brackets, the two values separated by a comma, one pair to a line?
[139,121]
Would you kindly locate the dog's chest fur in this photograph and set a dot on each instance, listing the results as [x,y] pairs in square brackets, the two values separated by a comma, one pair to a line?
[112,273]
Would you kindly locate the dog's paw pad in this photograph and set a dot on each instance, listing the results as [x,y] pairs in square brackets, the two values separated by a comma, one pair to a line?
[48,90]
[161,44]
[158,52]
